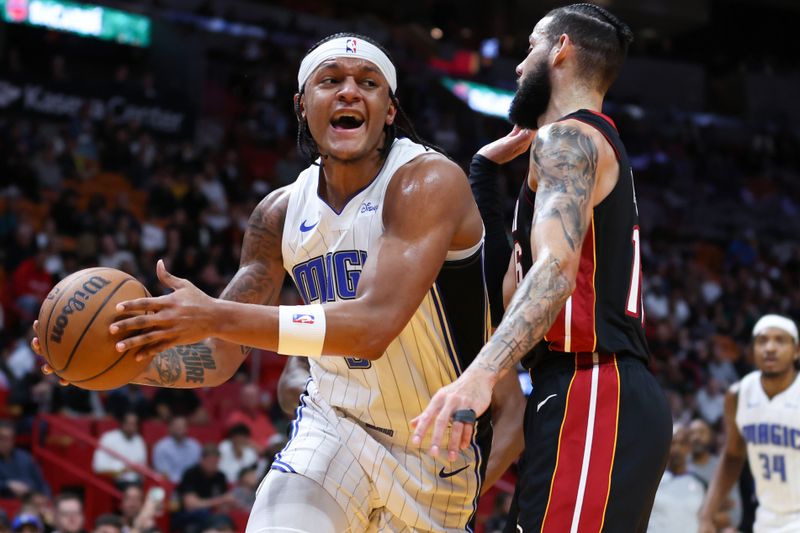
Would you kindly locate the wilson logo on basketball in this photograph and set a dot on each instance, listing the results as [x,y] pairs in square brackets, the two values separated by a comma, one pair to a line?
[76,303]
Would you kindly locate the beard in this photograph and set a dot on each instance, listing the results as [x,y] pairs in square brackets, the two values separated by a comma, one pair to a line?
[532,97]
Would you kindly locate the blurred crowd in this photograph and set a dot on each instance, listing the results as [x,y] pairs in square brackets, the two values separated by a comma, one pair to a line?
[719,201]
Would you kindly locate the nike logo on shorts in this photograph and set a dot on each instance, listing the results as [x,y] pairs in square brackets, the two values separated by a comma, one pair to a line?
[444,474]
[539,406]
[305,228]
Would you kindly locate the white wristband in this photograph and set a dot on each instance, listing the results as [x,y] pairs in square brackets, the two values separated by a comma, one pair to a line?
[301,330]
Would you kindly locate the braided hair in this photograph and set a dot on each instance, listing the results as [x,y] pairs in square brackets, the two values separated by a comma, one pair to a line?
[402,125]
[601,37]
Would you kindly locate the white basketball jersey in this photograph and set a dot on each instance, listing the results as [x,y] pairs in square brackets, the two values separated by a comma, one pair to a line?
[771,428]
[324,253]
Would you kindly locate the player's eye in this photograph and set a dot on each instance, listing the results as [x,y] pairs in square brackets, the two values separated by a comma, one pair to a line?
[370,83]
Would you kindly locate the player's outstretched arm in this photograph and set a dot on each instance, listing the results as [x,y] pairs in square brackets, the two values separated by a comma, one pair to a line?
[208,361]
[428,210]
[564,164]
[729,468]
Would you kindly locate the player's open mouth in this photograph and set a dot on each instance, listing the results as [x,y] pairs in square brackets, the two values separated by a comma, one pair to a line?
[347,121]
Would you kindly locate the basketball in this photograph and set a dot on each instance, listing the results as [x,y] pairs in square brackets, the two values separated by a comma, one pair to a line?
[73,328]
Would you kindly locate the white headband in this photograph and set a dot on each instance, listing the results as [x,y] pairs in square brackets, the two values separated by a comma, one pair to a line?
[776,321]
[347,47]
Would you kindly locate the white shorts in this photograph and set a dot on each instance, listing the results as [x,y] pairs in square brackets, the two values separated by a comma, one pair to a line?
[771,522]
[382,482]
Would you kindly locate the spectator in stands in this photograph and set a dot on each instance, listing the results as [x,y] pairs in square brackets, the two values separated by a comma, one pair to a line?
[219,523]
[107,523]
[244,491]
[202,490]
[27,523]
[138,514]
[236,452]
[68,516]
[703,464]
[30,284]
[176,452]
[711,401]
[39,504]
[127,442]
[497,522]
[274,445]
[251,413]
[178,402]
[680,493]
[5,525]
[19,473]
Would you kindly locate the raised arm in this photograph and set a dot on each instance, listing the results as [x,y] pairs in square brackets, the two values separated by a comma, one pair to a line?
[729,468]
[419,230]
[565,166]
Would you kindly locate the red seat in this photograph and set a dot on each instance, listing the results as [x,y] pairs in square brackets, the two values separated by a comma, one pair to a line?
[104,425]
[205,434]
[239,519]
[11,507]
[153,431]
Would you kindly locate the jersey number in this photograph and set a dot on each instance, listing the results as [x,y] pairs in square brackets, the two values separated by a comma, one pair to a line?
[518,263]
[635,289]
[772,466]
[355,363]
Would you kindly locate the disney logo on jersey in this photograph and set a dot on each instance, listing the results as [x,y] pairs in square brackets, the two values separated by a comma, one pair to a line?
[329,277]
[302,318]
[368,207]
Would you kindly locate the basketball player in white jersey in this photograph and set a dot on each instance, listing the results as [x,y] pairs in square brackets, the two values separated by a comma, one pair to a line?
[384,242]
[762,422]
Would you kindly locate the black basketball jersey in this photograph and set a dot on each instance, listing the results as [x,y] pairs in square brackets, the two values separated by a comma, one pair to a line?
[604,313]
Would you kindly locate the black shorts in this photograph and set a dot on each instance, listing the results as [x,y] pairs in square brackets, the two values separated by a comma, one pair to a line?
[597,436]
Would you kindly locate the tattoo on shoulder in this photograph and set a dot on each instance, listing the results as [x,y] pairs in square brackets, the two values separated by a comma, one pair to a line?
[566,164]
[167,367]
[260,275]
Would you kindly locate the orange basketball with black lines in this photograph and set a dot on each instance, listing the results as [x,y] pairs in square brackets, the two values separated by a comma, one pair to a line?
[73,328]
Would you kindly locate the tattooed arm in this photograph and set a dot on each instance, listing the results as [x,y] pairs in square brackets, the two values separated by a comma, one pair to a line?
[258,281]
[564,172]
[564,164]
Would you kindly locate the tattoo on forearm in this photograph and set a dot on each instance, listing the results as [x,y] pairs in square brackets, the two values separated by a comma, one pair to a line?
[167,367]
[566,164]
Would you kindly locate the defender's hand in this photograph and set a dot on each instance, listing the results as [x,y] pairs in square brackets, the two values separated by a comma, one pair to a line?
[473,390]
[509,147]
[182,317]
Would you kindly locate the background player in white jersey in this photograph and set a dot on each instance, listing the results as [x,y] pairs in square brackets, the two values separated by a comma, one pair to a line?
[762,422]
[384,232]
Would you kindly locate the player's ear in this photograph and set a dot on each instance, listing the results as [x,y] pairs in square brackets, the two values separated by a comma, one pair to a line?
[562,50]
[299,106]
[391,114]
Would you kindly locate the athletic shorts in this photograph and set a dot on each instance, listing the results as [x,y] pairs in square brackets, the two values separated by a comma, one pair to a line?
[597,437]
[770,522]
[383,482]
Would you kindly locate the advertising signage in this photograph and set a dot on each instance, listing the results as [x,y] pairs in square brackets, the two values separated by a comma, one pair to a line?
[83,19]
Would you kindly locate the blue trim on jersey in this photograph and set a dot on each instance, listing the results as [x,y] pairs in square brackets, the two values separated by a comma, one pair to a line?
[298,416]
[444,323]
[282,467]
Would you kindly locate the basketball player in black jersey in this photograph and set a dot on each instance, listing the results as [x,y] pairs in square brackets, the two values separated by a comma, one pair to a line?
[597,426]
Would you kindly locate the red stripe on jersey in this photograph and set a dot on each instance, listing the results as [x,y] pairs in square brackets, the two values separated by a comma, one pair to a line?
[604,116]
[584,336]
[604,443]
[582,318]
[569,458]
